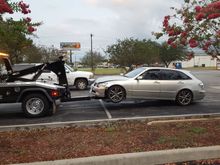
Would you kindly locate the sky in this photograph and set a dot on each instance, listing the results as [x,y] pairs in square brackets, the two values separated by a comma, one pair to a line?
[107,20]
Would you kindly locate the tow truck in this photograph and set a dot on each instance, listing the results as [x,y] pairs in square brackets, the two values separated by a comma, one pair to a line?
[37,98]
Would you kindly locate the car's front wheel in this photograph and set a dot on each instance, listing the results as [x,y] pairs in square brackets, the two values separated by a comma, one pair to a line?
[81,84]
[184,97]
[35,105]
[116,94]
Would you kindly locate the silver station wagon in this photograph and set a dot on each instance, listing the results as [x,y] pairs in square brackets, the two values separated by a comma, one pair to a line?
[150,83]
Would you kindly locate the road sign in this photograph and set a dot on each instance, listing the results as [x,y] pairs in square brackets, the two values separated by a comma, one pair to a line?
[70,45]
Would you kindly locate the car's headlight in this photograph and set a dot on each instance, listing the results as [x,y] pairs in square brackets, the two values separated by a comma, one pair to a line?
[102,85]
[91,76]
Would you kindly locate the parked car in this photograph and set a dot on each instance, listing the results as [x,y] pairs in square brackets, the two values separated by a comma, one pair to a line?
[150,83]
[80,79]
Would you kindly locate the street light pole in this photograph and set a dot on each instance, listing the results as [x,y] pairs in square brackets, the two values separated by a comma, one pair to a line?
[91,35]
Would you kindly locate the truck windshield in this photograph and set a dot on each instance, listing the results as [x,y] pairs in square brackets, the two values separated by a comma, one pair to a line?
[69,68]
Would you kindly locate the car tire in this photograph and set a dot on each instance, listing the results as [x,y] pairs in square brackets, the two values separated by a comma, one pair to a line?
[36,105]
[116,94]
[184,97]
[81,84]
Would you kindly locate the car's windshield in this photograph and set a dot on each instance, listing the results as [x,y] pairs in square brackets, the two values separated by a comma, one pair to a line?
[69,68]
[134,73]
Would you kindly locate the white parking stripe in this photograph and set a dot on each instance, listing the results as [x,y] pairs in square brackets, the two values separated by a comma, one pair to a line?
[105,109]
[215,87]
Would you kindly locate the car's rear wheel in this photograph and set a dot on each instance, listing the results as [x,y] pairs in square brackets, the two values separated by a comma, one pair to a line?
[81,84]
[35,105]
[116,94]
[184,97]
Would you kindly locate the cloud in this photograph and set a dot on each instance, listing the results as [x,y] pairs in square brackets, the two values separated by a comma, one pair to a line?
[108,20]
[135,18]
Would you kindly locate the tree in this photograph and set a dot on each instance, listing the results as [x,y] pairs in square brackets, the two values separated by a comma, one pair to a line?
[195,24]
[24,24]
[97,59]
[168,54]
[49,53]
[13,33]
[38,54]
[129,52]
[12,40]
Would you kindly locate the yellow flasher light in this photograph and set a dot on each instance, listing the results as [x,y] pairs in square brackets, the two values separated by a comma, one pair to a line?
[3,55]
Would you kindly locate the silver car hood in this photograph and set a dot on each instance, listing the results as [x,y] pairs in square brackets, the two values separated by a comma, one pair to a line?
[110,78]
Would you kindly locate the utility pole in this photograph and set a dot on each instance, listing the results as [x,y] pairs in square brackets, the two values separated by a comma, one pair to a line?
[91,35]
[71,60]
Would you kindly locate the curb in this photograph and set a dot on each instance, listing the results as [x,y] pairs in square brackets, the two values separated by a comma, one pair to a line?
[142,158]
[108,121]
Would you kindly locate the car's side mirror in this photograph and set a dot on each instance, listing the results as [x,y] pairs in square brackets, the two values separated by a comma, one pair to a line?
[140,78]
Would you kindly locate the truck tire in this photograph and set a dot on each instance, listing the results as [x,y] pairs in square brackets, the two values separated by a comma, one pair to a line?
[36,105]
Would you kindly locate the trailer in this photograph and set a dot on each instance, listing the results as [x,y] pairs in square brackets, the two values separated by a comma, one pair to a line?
[37,98]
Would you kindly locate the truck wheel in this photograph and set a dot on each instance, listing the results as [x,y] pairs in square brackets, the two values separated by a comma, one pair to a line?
[81,84]
[35,105]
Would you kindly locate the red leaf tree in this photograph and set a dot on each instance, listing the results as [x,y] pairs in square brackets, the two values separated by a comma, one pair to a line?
[6,6]
[195,24]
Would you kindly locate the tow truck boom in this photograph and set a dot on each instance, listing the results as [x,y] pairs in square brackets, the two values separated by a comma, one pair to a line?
[57,67]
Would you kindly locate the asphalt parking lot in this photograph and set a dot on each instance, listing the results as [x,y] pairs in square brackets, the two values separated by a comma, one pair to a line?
[97,109]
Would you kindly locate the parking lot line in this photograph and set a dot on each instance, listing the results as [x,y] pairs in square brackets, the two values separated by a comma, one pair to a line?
[105,109]
[215,87]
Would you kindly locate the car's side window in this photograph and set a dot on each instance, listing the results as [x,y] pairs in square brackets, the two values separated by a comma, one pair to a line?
[184,76]
[173,75]
[153,74]
[169,75]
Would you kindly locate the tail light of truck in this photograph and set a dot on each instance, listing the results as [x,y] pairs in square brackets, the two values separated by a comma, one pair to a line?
[55,93]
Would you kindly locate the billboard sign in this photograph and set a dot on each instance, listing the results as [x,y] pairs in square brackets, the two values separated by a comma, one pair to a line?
[70,45]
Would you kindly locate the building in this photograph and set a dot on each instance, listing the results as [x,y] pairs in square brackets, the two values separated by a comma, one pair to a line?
[200,61]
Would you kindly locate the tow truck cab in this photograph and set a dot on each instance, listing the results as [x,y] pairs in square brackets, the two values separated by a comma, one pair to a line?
[37,98]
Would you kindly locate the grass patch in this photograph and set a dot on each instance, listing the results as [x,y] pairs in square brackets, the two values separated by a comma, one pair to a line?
[163,139]
[110,129]
[197,130]
[104,71]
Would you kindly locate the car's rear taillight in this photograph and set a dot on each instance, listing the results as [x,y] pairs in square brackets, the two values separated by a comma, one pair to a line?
[55,93]
[201,85]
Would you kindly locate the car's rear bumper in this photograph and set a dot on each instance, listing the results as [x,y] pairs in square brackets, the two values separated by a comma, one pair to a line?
[199,95]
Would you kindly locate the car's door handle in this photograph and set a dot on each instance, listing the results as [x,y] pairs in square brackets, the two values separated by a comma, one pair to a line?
[180,82]
[156,82]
